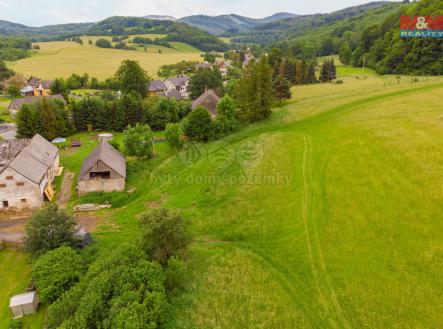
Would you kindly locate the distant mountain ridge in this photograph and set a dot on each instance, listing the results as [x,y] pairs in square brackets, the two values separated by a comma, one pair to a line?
[13,29]
[230,24]
[160,17]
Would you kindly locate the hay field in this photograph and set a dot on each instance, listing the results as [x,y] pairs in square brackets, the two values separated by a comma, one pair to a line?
[61,59]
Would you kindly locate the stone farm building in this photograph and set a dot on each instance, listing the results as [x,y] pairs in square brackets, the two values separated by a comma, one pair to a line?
[209,100]
[27,171]
[104,170]
[17,103]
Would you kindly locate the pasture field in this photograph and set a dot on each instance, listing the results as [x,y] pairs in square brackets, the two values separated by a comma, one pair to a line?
[328,215]
[15,275]
[61,59]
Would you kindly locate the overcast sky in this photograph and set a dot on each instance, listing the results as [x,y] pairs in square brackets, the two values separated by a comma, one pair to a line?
[46,12]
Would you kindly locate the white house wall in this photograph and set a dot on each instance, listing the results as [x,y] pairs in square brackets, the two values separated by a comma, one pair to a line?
[20,197]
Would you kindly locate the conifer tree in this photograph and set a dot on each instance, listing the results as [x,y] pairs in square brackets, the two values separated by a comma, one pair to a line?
[311,74]
[325,72]
[332,70]
[49,124]
[282,88]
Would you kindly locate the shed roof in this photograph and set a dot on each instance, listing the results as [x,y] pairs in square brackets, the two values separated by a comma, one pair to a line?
[22,299]
[209,100]
[108,155]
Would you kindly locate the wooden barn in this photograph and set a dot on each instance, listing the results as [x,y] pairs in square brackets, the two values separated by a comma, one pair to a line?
[104,170]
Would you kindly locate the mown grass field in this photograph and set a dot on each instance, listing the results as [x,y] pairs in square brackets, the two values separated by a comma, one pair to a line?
[61,59]
[15,274]
[328,215]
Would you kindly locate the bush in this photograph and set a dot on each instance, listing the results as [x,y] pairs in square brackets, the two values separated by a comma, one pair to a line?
[56,272]
[139,141]
[122,289]
[163,234]
[173,134]
[49,229]
[16,324]
[198,125]
[339,82]
[175,273]
[103,43]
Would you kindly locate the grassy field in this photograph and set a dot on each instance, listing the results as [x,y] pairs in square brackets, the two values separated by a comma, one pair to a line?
[4,113]
[325,216]
[15,265]
[61,59]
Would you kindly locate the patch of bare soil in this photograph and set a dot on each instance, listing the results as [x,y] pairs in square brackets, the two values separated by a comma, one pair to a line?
[65,191]
[88,220]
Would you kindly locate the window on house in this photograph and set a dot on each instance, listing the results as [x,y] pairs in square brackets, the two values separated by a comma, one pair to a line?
[20,184]
[9,177]
[100,175]
[5,204]
[2,185]
[23,200]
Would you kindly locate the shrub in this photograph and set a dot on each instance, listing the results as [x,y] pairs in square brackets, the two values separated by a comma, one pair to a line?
[103,43]
[16,324]
[138,141]
[198,125]
[122,289]
[339,82]
[163,234]
[173,134]
[49,229]
[56,272]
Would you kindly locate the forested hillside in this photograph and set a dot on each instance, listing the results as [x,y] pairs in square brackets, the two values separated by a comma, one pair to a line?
[44,32]
[174,31]
[226,25]
[14,48]
[290,28]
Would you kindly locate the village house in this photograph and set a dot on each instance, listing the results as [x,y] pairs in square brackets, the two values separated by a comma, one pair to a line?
[104,170]
[223,67]
[179,83]
[27,170]
[17,103]
[248,58]
[209,100]
[155,87]
[41,87]
[203,66]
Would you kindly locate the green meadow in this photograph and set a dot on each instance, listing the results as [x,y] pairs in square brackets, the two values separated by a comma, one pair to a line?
[328,215]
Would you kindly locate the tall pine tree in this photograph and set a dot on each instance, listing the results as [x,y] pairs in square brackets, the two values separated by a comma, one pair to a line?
[325,72]
[282,88]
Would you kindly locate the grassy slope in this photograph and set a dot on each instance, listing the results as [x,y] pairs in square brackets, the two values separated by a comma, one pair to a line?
[60,59]
[15,265]
[345,236]
[352,241]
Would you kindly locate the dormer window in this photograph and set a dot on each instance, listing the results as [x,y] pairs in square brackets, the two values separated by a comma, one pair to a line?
[9,177]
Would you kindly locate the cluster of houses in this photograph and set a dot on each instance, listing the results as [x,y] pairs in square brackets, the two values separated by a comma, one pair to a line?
[35,90]
[28,168]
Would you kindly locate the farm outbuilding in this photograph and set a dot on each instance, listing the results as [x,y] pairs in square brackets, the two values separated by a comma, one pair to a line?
[104,170]
[24,304]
